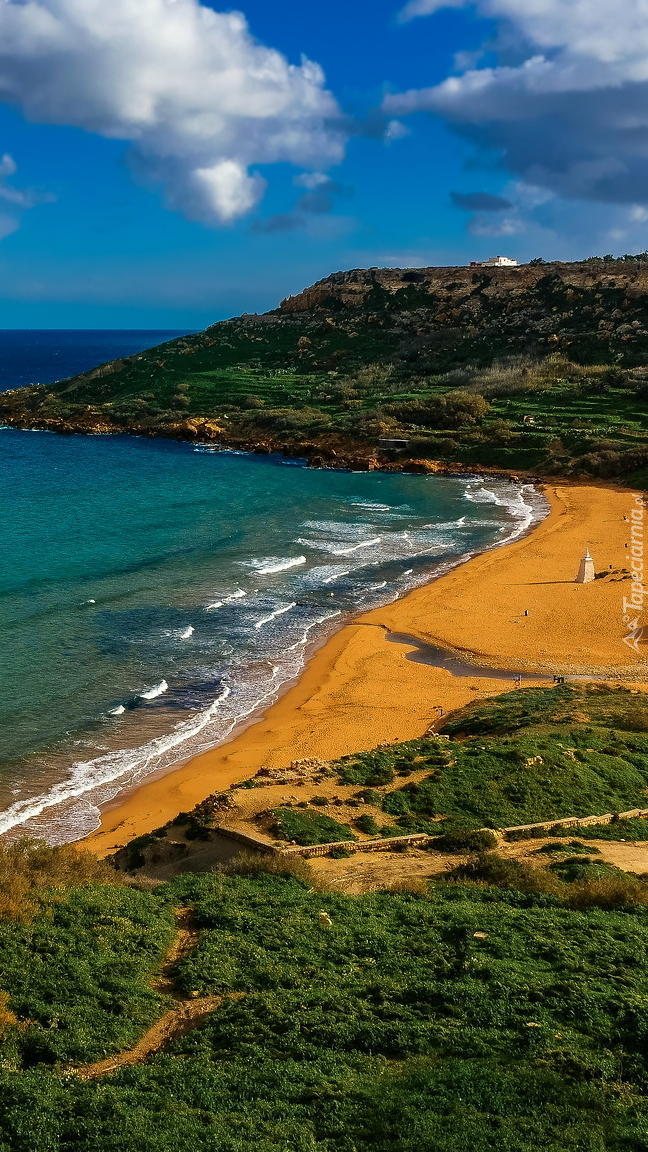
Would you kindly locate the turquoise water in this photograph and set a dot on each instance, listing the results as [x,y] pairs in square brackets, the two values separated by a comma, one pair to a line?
[153,594]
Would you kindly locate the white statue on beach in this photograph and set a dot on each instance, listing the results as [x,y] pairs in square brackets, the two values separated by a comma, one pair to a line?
[586,569]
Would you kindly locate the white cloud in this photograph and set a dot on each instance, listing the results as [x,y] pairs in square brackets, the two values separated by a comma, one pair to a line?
[200,100]
[311,180]
[14,201]
[481,225]
[571,114]
[426,8]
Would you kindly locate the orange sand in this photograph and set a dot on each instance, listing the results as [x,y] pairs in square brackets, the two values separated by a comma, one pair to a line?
[360,690]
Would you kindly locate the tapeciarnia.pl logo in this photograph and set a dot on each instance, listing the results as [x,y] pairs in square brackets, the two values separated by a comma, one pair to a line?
[633,607]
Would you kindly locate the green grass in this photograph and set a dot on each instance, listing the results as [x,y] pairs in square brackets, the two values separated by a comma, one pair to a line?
[79,973]
[396,1029]
[524,757]
[574,847]
[308,827]
[502,1006]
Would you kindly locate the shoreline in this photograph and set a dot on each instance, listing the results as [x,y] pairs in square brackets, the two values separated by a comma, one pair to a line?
[365,685]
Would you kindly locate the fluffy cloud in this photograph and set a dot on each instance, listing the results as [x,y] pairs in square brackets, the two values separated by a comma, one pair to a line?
[200,100]
[568,110]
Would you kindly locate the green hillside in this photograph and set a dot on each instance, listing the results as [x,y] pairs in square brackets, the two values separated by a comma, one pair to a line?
[542,367]
[496,1006]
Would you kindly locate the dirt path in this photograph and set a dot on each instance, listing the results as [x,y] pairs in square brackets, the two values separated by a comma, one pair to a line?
[189,1013]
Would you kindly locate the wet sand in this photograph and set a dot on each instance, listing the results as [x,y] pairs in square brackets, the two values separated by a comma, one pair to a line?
[380,680]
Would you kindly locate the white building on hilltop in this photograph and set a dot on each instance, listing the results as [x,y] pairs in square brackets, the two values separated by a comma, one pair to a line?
[495,262]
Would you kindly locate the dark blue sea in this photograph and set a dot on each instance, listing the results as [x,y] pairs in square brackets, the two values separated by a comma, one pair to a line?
[153,594]
[43,355]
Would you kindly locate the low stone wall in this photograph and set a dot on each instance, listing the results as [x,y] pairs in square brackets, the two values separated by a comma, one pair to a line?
[417,838]
[578,821]
[357,845]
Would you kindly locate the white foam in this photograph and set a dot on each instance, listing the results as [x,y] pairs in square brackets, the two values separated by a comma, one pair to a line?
[184,635]
[157,690]
[338,575]
[356,547]
[341,528]
[231,599]
[274,564]
[116,711]
[101,779]
[114,767]
[273,615]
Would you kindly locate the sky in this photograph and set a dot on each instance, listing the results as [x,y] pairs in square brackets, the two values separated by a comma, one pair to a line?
[167,163]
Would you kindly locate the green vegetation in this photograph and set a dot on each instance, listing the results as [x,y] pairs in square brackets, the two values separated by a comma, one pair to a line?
[499,1006]
[463,840]
[526,756]
[308,827]
[470,1018]
[583,868]
[367,824]
[574,847]
[77,950]
[33,875]
[617,830]
[549,372]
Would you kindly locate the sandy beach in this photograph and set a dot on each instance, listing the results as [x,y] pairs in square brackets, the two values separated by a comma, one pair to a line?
[516,608]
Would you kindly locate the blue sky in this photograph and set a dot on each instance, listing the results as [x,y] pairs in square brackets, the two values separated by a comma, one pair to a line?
[104,223]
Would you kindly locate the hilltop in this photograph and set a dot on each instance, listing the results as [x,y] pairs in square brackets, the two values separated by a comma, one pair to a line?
[542,367]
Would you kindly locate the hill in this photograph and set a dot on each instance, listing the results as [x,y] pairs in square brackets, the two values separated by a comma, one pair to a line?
[543,367]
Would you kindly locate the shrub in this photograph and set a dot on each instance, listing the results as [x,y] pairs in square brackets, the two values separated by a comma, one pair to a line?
[615,891]
[464,840]
[369,768]
[369,797]
[30,868]
[262,863]
[581,868]
[574,847]
[489,868]
[366,824]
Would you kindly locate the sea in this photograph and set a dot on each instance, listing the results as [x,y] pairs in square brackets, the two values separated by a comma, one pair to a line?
[154,595]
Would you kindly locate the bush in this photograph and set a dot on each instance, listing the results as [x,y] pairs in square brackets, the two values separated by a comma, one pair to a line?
[573,848]
[489,868]
[464,840]
[450,410]
[30,869]
[366,824]
[370,797]
[262,863]
[581,868]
